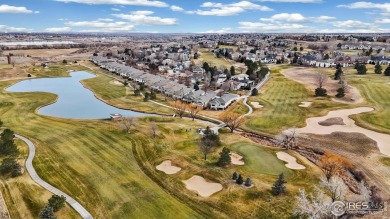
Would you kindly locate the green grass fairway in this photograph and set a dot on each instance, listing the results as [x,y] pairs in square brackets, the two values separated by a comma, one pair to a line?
[280,97]
[90,160]
[261,160]
[375,89]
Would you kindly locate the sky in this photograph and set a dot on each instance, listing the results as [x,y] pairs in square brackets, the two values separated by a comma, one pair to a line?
[195,16]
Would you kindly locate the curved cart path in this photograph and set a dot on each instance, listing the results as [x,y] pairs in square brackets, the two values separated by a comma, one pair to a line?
[29,166]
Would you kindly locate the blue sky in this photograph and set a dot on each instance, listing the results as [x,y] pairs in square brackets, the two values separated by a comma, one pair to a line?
[194,16]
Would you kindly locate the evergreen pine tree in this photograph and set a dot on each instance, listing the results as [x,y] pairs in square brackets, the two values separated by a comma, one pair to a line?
[235,176]
[340,92]
[239,180]
[224,158]
[248,182]
[57,202]
[279,188]
[47,213]
[378,68]
[387,71]
[339,72]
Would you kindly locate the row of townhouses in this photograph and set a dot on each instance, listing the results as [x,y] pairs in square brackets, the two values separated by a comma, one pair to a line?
[216,100]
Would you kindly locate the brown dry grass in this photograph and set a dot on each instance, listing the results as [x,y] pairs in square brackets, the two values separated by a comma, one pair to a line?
[359,149]
[43,53]
[8,72]
[308,77]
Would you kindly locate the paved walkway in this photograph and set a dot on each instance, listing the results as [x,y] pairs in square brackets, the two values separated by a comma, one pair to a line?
[30,169]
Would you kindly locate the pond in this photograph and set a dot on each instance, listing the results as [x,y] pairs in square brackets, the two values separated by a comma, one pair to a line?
[74,100]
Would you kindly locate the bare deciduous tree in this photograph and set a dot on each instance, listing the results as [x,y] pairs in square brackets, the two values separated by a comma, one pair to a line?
[179,108]
[314,206]
[335,186]
[128,122]
[232,120]
[205,147]
[194,110]
[321,79]
[153,129]
[365,193]
[332,164]
[288,140]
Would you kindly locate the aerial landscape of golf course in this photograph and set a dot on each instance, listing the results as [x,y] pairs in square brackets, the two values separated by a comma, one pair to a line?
[112,171]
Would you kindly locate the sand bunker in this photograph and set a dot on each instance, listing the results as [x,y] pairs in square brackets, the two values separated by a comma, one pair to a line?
[236,159]
[201,186]
[168,168]
[313,127]
[256,105]
[305,104]
[332,121]
[118,83]
[291,161]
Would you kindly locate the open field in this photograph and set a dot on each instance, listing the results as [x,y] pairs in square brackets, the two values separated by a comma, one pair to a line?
[42,53]
[206,56]
[25,198]
[229,47]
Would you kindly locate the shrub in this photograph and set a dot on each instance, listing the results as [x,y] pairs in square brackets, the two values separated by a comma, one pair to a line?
[29,75]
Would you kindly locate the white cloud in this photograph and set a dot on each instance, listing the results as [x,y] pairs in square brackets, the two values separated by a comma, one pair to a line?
[221,31]
[352,24]
[105,19]
[115,9]
[14,9]
[176,8]
[219,9]
[285,17]
[383,21]
[119,2]
[58,29]
[142,13]
[295,18]
[294,1]
[367,5]
[269,27]
[143,18]
[4,28]
[341,30]
[102,26]
[322,19]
